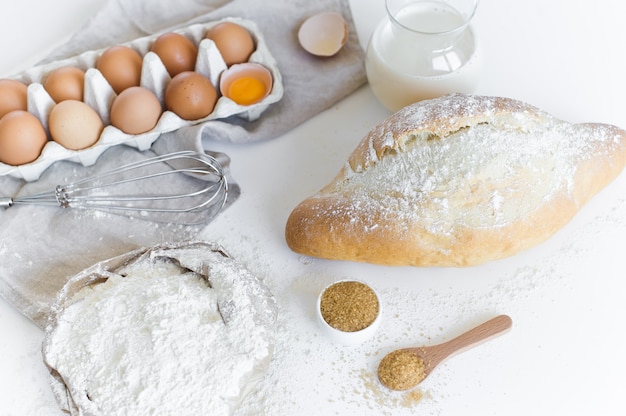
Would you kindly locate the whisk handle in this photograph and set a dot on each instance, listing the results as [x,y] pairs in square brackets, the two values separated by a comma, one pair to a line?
[6,202]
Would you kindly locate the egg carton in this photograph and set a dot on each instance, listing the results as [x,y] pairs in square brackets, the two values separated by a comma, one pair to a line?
[99,94]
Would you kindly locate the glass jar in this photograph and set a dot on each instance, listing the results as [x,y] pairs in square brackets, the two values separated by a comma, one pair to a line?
[423,49]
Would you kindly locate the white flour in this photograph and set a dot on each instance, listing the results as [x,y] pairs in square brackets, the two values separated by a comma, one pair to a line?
[156,343]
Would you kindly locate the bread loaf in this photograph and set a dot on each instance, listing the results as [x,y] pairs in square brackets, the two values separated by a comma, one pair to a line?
[457,181]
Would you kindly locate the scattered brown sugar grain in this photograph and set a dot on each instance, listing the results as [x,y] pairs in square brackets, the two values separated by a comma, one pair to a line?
[401,370]
[349,306]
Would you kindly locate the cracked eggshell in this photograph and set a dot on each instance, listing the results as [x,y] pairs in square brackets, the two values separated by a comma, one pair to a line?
[323,34]
[246,84]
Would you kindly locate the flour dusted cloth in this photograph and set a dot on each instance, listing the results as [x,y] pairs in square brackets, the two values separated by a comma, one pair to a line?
[41,247]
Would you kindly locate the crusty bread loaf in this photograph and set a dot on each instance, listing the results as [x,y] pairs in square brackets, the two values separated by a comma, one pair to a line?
[457,181]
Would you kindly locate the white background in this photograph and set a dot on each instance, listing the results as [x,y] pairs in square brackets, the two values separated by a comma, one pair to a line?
[565,354]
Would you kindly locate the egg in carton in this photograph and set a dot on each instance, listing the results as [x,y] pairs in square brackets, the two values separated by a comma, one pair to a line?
[99,94]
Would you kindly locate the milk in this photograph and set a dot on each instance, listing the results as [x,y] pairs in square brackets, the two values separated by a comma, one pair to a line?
[439,57]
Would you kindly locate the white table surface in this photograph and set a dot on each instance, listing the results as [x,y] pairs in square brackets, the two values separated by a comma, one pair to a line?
[565,354]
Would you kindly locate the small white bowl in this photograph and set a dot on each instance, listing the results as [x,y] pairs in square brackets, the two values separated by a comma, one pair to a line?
[346,337]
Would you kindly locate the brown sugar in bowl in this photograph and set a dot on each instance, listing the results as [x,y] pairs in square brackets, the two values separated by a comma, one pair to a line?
[349,311]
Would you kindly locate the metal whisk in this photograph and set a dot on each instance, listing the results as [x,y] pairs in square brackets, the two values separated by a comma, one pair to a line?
[183,187]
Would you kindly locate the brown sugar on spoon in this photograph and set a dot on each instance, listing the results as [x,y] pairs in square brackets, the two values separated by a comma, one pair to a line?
[401,370]
[407,367]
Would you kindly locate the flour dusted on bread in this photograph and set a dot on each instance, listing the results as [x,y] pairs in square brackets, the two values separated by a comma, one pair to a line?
[457,181]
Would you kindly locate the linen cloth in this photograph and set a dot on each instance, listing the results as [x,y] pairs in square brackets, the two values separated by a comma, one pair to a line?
[42,247]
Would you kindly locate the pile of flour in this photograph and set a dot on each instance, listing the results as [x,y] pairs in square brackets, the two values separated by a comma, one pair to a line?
[156,337]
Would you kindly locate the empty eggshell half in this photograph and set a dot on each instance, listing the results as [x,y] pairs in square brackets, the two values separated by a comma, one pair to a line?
[323,34]
[246,83]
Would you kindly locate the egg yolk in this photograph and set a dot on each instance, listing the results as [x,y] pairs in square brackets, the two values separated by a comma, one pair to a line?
[246,90]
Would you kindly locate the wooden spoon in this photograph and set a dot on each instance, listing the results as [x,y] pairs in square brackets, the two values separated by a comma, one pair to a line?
[405,368]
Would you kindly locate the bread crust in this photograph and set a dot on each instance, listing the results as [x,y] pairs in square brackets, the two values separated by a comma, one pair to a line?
[457,181]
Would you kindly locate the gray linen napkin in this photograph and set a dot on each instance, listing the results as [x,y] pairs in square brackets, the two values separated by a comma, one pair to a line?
[42,247]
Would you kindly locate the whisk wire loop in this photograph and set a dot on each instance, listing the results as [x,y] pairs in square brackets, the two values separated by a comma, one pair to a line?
[161,188]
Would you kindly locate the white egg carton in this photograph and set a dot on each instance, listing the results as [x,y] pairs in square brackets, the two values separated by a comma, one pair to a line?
[99,95]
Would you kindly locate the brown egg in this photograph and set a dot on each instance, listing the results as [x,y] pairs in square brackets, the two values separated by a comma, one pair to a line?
[22,138]
[121,67]
[190,95]
[13,96]
[136,110]
[233,41]
[65,83]
[177,52]
[74,125]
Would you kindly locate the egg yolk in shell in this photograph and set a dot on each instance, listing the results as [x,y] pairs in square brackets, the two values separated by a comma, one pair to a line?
[246,90]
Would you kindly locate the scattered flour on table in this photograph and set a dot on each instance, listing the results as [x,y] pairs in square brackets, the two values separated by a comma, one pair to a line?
[305,363]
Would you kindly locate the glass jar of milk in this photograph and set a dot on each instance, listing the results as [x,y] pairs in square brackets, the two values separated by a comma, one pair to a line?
[423,49]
